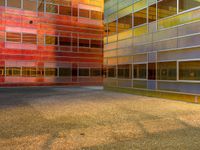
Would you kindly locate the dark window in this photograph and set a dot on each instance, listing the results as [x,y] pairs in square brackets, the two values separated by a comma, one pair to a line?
[30,5]
[111,72]
[140,17]
[2,71]
[84,43]
[64,10]
[125,23]
[13,71]
[96,43]
[84,72]
[74,72]
[74,41]
[96,15]
[95,72]
[74,12]
[65,72]
[28,71]
[65,41]
[140,71]
[29,38]
[167,8]
[125,71]
[2,2]
[13,37]
[151,71]
[14,3]
[40,72]
[188,4]
[40,6]
[84,13]
[152,13]
[51,40]
[166,71]
[50,71]
[51,8]
[189,70]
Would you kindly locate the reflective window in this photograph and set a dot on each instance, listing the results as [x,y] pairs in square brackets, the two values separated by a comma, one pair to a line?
[51,40]
[140,17]
[29,38]
[2,2]
[30,5]
[167,8]
[84,72]
[28,71]
[151,71]
[50,71]
[65,72]
[112,28]
[14,3]
[189,70]
[95,72]
[140,71]
[84,13]
[84,43]
[65,10]
[65,41]
[13,37]
[96,44]
[125,23]
[125,71]
[13,71]
[188,4]
[51,8]
[166,71]
[152,13]
[111,71]
[96,15]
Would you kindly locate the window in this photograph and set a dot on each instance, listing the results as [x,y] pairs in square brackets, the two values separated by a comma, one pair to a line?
[84,72]
[95,72]
[74,41]
[50,71]
[28,71]
[84,43]
[64,10]
[2,71]
[51,40]
[74,72]
[96,15]
[51,8]
[112,28]
[96,44]
[29,38]
[125,23]
[13,71]
[74,12]
[125,71]
[111,71]
[166,71]
[189,70]
[13,37]
[65,72]
[140,71]
[167,8]
[140,17]
[40,6]
[30,5]
[151,71]
[2,2]
[14,3]
[152,13]
[84,13]
[40,72]
[188,4]
[65,41]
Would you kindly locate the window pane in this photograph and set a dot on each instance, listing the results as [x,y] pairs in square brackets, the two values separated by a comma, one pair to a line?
[50,72]
[14,3]
[96,43]
[140,17]
[2,2]
[75,12]
[189,70]
[74,42]
[13,71]
[166,71]
[152,13]
[51,40]
[125,23]
[84,13]
[95,72]
[125,71]
[65,72]
[30,5]
[40,72]
[29,38]
[112,28]
[84,72]
[112,72]
[84,43]
[167,8]
[140,71]
[2,71]
[151,71]
[65,41]
[13,37]
[28,71]
[65,10]
[96,15]
[51,8]
[40,6]
[188,4]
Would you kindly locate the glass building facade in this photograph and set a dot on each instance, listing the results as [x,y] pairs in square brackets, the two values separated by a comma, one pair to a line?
[152,45]
[51,42]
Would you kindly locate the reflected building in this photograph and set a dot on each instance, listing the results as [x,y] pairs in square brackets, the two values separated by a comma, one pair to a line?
[51,42]
[152,45]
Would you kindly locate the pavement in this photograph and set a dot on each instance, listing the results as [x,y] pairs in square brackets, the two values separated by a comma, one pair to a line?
[89,118]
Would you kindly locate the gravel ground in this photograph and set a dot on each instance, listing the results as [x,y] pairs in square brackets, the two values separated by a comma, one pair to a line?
[61,118]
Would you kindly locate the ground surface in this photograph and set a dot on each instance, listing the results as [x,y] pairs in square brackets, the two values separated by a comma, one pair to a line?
[81,118]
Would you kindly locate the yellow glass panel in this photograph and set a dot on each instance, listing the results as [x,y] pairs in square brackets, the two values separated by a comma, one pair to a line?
[125,11]
[140,30]
[125,35]
[105,40]
[179,19]
[112,61]
[112,17]
[139,5]
[123,60]
[112,38]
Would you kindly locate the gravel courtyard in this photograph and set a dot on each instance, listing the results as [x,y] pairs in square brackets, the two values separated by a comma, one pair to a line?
[61,118]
